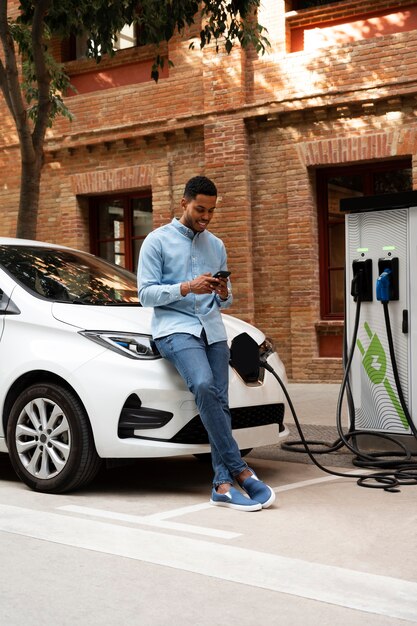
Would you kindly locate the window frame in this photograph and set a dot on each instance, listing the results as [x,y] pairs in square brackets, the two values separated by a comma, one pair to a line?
[129,237]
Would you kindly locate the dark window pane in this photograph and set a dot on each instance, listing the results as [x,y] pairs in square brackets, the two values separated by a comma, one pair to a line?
[337,245]
[113,251]
[142,216]
[338,187]
[111,217]
[336,291]
[346,184]
[306,4]
[393,181]
[142,224]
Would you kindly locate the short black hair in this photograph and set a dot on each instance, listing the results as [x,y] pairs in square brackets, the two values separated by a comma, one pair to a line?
[199,184]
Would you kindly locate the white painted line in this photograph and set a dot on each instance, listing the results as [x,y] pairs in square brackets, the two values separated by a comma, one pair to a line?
[199,507]
[151,520]
[181,511]
[305,483]
[361,591]
[157,519]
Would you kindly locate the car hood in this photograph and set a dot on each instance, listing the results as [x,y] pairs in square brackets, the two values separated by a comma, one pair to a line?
[132,319]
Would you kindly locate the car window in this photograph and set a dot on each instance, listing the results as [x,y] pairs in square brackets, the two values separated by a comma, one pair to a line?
[69,276]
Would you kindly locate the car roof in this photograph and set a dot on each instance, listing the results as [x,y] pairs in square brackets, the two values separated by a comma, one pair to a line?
[13,241]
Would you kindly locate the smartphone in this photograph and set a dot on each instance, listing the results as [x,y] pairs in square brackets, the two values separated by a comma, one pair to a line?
[221,274]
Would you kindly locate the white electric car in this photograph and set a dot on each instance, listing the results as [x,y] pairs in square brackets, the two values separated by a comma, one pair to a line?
[81,380]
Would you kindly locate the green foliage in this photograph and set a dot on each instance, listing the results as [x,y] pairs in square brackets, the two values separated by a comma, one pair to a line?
[157,21]
[225,21]
[36,100]
[59,84]
[58,80]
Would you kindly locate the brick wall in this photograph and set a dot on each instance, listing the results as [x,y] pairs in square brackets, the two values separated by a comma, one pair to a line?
[260,127]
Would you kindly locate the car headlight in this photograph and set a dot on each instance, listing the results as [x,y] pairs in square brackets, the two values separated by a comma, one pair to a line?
[266,348]
[132,345]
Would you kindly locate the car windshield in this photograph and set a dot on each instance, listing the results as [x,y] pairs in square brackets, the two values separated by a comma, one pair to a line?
[69,276]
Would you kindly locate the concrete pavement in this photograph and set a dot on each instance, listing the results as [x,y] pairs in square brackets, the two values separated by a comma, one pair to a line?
[315,403]
[142,546]
[315,406]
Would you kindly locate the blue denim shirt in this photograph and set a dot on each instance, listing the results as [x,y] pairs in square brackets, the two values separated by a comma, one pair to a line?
[169,256]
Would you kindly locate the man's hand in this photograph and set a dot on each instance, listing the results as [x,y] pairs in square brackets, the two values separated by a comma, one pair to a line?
[221,288]
[206,283]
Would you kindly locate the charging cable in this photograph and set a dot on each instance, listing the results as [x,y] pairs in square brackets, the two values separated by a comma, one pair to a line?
[397,473]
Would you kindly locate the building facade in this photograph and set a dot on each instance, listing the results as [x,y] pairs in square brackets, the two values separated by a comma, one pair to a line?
[330,111]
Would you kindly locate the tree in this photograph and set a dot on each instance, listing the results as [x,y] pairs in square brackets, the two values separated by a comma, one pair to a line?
[32,82]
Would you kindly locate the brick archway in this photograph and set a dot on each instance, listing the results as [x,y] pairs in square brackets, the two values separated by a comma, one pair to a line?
[338,150]
[112,180]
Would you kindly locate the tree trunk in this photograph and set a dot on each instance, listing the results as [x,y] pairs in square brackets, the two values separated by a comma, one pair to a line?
[29,199]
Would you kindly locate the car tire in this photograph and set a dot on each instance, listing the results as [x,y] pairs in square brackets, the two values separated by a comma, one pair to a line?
[205,457]
[50,442]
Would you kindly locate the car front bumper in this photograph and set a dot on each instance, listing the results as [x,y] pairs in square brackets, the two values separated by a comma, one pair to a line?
[159,388]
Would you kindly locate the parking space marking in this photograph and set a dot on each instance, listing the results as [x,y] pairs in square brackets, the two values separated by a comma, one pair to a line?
[155,521]
[324,479]
[306,483]
[362,591]
[184,510]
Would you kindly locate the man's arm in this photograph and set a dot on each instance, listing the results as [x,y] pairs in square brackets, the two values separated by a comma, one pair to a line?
[151,290]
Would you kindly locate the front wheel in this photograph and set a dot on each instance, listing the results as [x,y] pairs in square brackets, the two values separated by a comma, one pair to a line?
[50,441]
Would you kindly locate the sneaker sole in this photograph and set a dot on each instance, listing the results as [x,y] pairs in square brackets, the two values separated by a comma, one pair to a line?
[239,507]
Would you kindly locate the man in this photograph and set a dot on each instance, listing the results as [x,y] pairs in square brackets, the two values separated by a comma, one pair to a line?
[175,276]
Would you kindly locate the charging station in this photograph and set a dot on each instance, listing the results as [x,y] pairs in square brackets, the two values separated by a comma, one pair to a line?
[381,273]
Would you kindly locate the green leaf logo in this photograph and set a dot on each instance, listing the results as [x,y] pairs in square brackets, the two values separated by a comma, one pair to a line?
[375,364]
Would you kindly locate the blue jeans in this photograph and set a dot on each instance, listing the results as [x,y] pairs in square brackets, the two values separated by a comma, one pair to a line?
[205,369]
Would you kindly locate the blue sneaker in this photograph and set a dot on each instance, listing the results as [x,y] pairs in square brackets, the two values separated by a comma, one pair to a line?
[234,500]
[258,491]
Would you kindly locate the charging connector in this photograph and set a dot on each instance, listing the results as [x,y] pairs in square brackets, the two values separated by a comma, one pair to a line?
[383,286]
[361,288]
[390,281]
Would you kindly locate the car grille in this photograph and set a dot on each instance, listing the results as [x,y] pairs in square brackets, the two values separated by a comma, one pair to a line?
[242,417]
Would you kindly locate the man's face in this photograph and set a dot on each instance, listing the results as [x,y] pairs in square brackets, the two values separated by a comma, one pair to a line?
[198,212]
